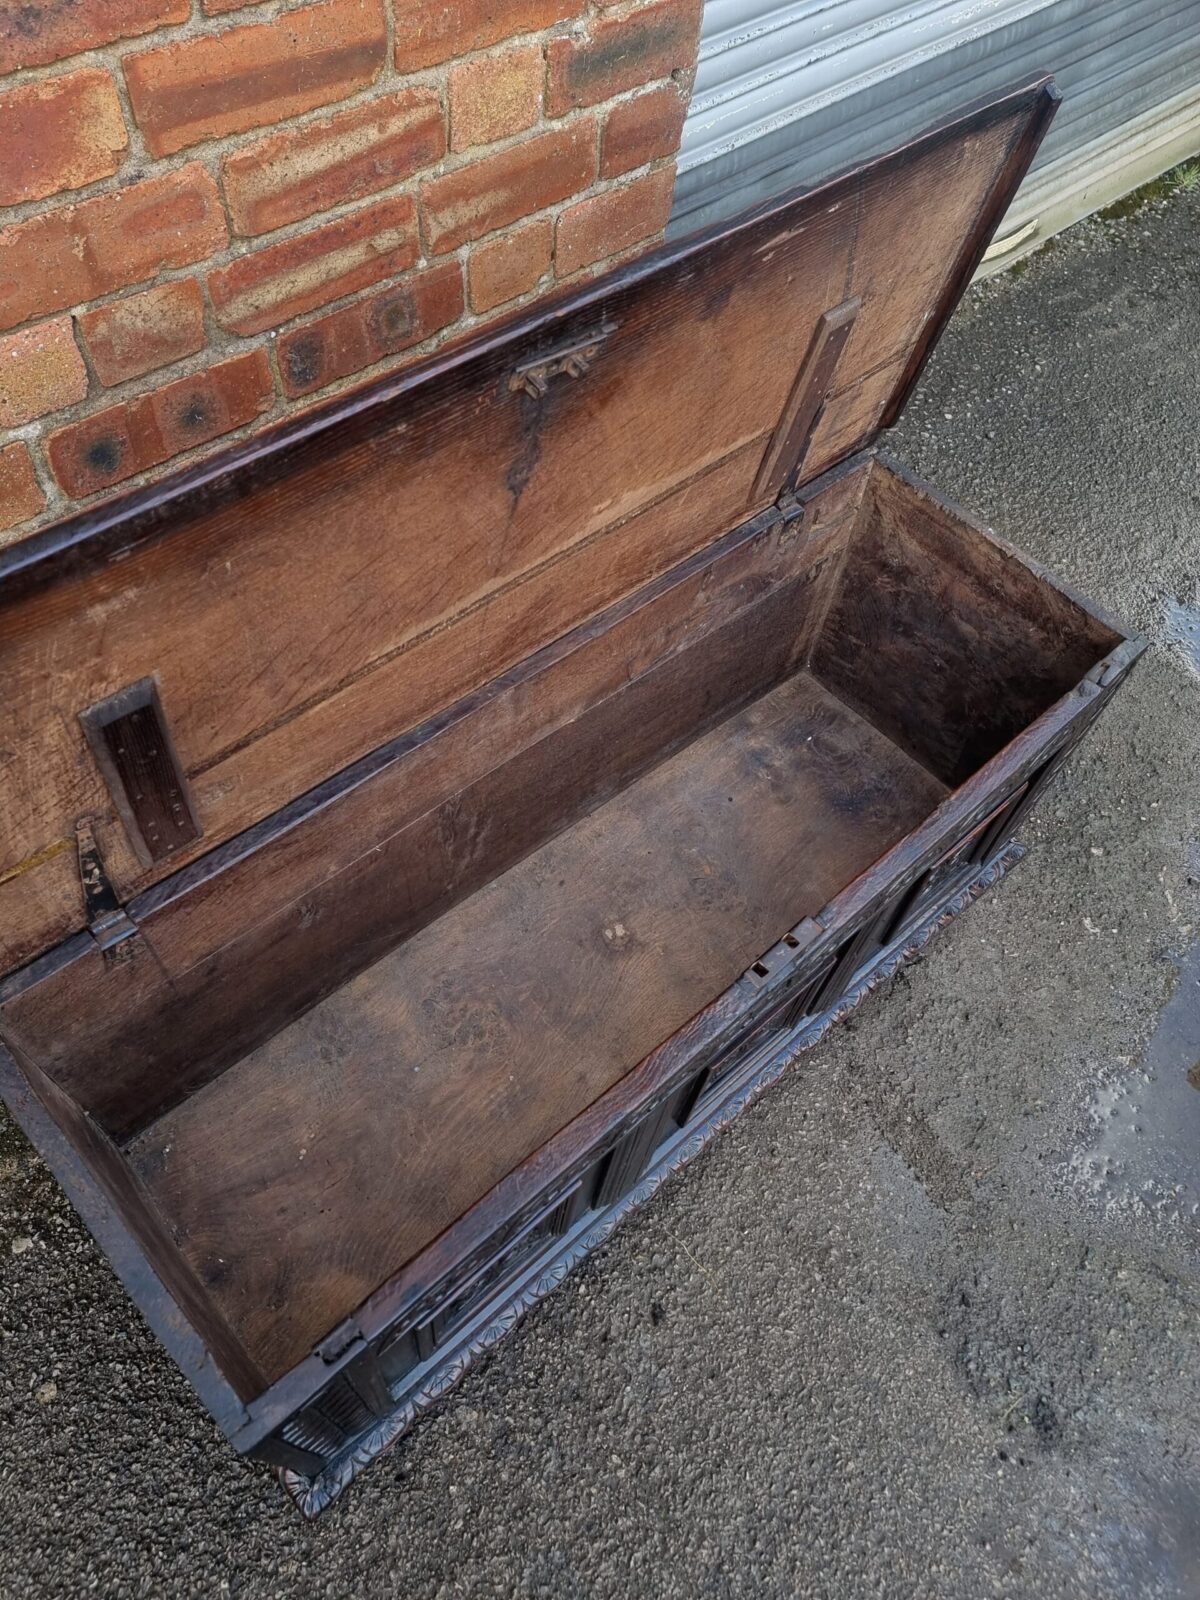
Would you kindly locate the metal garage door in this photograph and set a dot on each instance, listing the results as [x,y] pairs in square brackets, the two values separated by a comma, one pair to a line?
[790,93]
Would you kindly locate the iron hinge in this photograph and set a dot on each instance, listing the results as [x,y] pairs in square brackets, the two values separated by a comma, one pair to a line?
[1107,674]
[108,922]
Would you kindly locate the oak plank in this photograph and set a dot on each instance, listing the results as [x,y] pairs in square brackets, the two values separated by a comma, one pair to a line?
[272,593]
[305,1174]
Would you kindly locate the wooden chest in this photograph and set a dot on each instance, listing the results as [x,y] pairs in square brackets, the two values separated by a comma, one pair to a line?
[421,829]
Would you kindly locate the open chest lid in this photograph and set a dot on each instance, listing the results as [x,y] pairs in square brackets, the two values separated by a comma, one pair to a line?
[181,663]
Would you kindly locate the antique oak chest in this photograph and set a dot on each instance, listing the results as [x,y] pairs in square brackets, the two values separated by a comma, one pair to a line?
[422,828]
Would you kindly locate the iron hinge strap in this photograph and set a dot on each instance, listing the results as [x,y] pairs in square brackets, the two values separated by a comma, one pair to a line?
[108,922]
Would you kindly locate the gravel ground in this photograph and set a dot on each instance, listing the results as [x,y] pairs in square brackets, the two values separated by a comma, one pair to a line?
[925,1322]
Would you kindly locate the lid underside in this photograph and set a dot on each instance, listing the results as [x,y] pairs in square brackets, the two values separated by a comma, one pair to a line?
[180,664]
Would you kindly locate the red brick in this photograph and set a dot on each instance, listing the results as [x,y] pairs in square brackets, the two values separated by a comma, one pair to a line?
[641,130]
[37,31]
[59,134]
[495,96]
[272,286]
[247,77]
[619,53]
[145,331]
[94,247]
[216,8]
[501,269]
[382,325]
[502,188]
[142,433]
[41,370]
[302,171]
[20,494]
[605,224]
[431,31]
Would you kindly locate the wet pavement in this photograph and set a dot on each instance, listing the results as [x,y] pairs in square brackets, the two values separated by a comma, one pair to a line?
[1144,1158]
[1182,630]
[926,1322]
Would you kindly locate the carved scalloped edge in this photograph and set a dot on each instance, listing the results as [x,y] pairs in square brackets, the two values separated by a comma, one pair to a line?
[314,1495]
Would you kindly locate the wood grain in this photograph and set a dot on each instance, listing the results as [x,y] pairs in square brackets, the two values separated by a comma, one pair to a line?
[784,459]
[236,946]
[560,731]
[427,1078]
[948,642]
[320,590]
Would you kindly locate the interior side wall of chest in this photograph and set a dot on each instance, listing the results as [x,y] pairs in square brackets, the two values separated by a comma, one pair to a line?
[431,978]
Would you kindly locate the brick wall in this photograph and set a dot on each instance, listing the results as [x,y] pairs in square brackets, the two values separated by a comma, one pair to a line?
[215,210]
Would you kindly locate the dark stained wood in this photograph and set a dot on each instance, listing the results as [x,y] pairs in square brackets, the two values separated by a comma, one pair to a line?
[108,1196]
[802,410]
[951,645]
[1026,142]
[240,945]
[430,1076]
[574,723]
[132,744]
[316,592]
[732,1016]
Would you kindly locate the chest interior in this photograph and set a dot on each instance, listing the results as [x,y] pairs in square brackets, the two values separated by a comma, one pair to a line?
[437,767]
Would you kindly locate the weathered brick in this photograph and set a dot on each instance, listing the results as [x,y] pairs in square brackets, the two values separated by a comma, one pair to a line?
[145,331]
[37,31]
[501,269]
[619,53]
[502,188]
[285,280]
[247,77]
[641,130]
[382,325]
[216,8]
[41,370]
[59,134]
[142,433]
[21,496]
[302,171]
[113,241]
[427,34]
[604,224]
[495,96]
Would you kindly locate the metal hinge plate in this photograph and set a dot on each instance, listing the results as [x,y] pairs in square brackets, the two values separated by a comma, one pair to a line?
[108,922]
[571,360]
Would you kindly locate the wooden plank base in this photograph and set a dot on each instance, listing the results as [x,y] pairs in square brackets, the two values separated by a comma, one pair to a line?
[429,1383]
[425,1080]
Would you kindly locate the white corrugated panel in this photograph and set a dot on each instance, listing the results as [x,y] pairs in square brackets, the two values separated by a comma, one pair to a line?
[788,94]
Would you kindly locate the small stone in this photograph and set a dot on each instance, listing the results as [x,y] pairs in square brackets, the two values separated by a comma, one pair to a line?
[19,1246]
[47,1393]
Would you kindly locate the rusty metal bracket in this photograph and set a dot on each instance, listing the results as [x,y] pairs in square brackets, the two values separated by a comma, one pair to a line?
[107,921]
[572,360]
